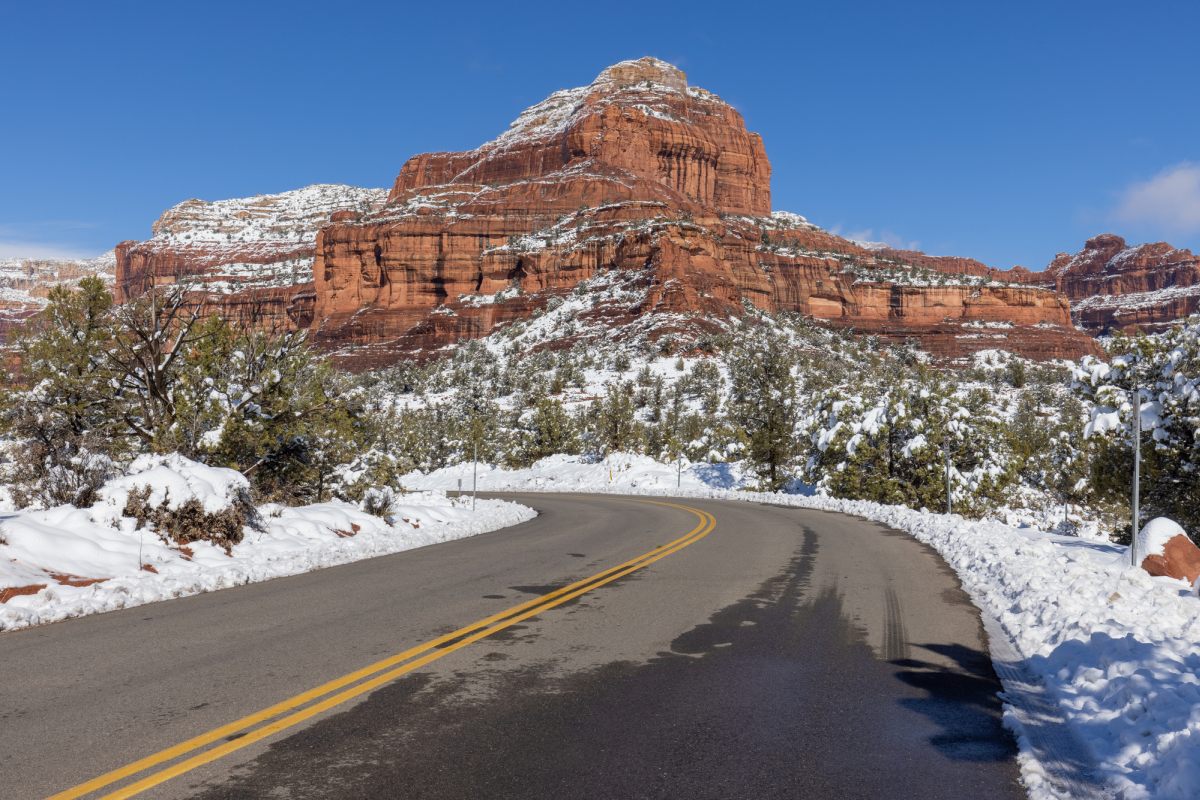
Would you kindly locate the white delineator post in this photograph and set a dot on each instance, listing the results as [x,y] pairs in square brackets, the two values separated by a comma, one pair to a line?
[949,497]
[474,474]
[1137,470]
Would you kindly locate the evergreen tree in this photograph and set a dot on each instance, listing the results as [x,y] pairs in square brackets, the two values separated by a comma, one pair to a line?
[550,430]
[64,418]
[615,425]
[763,404]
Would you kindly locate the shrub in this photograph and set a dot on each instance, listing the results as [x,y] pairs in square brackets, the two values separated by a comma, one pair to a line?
[188,521]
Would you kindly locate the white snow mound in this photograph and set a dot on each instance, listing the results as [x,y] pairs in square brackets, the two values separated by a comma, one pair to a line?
[1153,537]
[175,480]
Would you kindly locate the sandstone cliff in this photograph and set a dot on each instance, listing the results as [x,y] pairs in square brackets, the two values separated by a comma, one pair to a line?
[248,256]
[1112,285]
[645,194]
[640,175]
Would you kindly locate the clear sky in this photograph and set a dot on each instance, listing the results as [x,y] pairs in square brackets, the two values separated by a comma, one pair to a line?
[1004,131]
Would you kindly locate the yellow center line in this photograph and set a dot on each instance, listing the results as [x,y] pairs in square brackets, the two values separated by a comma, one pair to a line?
[410,659]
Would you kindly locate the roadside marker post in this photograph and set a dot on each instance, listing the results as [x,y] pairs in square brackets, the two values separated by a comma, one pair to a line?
[1136,397]
[949,493]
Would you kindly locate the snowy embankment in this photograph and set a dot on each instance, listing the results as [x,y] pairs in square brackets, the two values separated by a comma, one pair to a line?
[1116,650]
[67,562]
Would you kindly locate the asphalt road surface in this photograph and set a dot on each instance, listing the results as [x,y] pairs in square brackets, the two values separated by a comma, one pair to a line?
[612,648]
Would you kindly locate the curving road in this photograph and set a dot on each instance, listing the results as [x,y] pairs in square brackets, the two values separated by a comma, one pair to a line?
[611,648]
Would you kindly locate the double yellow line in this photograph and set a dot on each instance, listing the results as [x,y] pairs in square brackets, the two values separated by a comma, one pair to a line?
[243,732]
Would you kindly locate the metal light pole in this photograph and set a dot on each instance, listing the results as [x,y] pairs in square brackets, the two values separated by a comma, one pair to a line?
[1137,468]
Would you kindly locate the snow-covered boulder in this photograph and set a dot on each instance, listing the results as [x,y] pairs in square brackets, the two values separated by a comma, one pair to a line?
[1165,549]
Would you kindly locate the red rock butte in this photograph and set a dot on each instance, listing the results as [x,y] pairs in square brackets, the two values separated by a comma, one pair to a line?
[639,180]
[1114,286]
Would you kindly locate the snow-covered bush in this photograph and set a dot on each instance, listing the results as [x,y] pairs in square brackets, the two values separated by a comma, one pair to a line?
[100,384]
[1165,369]
[370,472]
[181,500]
[894,443]
[379,501]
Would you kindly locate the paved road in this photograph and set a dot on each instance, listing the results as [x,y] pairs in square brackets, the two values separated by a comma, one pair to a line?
[787,653]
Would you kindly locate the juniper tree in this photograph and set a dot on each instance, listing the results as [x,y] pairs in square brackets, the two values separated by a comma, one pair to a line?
[549,430]
[614,425]
[762,403]
[64,417]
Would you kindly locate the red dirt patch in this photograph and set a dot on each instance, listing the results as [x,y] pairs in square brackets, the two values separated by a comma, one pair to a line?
[16,591]
[66,579]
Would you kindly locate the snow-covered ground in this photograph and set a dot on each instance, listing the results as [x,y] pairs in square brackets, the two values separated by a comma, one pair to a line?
[46,554]
[1116,650]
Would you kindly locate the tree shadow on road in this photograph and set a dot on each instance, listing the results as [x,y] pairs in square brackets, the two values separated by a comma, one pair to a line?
[961,697]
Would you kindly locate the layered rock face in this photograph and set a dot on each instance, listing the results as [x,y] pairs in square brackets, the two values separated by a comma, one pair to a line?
[1114,286]
[641,180]
[245,258]
[26,282]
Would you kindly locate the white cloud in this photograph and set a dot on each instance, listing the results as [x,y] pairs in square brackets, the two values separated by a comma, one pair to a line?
[886,237]
[18,248]
[1170,201]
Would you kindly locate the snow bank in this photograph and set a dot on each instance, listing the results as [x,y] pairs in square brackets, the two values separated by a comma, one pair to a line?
[1117,651]
[66,562]
[618,472]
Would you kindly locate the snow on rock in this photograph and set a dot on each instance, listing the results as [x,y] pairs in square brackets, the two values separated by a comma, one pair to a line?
[66,562]
[1164,549]
[1153,537]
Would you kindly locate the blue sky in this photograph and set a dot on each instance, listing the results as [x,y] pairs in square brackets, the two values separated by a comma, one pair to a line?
[1003,131]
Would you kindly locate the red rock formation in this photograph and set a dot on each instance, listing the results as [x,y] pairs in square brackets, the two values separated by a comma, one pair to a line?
[1114,286]
[1180,558]
[646,194]
[641,176]
[247,258]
